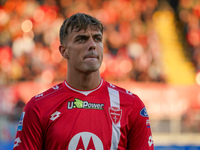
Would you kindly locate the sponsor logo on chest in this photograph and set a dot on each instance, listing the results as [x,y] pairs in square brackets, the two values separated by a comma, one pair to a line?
[77,103]
[85,141]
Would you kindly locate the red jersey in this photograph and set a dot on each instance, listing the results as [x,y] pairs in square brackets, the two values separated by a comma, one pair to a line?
[105,118]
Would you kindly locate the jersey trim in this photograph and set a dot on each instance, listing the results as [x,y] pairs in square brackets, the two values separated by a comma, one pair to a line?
[115,102]
[84,92]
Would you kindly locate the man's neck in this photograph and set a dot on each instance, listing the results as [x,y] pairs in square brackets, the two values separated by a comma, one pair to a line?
[83,81]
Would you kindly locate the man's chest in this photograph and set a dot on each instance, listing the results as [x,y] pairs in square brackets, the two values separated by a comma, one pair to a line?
[85,123]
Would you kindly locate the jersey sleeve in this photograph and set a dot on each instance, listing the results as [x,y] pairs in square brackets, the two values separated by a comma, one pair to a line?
[140,137]
[29,131]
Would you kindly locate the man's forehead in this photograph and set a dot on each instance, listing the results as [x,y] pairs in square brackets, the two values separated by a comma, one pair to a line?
[87,31]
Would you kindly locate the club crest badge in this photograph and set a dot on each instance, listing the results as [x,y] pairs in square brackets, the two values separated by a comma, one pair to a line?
[115,114]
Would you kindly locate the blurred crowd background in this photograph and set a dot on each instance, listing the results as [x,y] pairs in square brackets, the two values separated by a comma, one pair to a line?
[29,37]
[145,41]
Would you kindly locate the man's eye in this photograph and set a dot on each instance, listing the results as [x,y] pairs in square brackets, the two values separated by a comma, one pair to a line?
[80,40]
[98,39]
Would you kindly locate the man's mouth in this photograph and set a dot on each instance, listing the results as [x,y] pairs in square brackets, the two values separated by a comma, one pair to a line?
[91,57]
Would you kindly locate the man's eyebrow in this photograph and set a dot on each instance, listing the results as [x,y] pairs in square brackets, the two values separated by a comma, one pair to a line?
[98,34]
[87,36]
[81,36]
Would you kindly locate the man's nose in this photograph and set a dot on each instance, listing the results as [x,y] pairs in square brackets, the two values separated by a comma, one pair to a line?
[92,44]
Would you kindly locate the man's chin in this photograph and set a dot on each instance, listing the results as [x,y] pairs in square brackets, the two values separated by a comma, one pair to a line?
[92,69]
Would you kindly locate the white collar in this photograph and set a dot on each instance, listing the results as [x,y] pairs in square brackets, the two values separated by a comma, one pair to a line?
[84,92]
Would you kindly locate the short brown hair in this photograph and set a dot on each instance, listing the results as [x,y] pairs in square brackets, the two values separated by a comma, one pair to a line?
[78,22]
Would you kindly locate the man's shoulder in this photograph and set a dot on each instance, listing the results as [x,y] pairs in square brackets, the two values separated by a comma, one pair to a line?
[127,98]
[121,90]
[49,93]
[46,99]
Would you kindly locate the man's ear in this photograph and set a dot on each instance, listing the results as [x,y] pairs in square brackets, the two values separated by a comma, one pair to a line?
[63,51]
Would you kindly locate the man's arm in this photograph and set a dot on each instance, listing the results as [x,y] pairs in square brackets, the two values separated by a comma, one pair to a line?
[140,137]
[29,132]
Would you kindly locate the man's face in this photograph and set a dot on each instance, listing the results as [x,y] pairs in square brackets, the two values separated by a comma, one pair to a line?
[84,50]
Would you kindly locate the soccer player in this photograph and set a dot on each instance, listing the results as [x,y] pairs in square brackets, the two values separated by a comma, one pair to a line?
[84,112]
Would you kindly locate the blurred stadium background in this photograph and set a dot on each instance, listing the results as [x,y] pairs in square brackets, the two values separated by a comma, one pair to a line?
[151,47]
